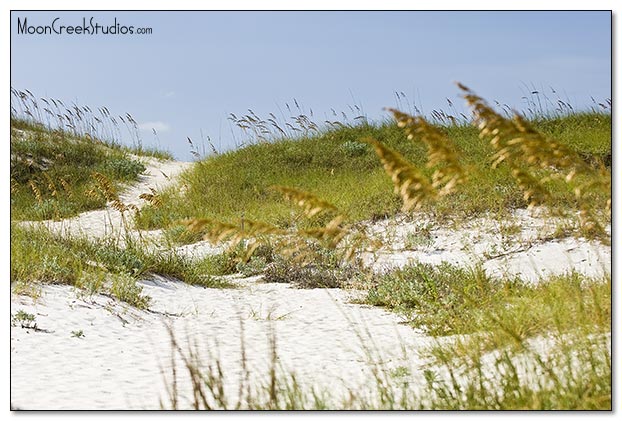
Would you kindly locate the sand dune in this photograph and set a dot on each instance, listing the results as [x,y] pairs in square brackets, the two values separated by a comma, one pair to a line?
[92,352]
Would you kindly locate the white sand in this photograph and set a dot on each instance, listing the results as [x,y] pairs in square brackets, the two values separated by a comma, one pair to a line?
[528,250]
[321,335]
[117,365]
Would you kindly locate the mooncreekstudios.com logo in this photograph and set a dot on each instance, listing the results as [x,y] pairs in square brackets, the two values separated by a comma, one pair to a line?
[88,27]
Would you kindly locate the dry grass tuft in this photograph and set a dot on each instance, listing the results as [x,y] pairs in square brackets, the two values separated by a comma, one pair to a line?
[220,231]
[106,189]
[311,204]
[535,160]
[152,198]
[235,234]
[410,183]
[332,233]
[66,187]
[441,151]
[35,191]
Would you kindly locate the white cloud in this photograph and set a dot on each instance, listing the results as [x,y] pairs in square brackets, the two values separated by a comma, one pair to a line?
[149,126]
[169,94]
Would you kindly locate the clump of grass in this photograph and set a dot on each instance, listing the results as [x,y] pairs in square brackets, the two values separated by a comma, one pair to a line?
[38,256]
[320,268]
[573,373]
[449,300]
[26,320]
[124,287]
[237,261]
[543,347]
[435,298]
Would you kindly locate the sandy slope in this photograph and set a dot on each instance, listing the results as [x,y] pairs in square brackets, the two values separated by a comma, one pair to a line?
[321,336]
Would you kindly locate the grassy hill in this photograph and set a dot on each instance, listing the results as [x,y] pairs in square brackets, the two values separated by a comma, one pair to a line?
[337,167]
[56,174]
[52,171]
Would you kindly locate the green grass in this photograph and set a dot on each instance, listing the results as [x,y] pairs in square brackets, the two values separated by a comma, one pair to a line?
[38,256]
[52,171]
[338,168]
[491,329]
[449,300]
[51,176]
[573,373]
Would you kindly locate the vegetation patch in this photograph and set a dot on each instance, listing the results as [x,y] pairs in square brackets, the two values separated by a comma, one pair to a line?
[38,256]
[52,172]
[449,300]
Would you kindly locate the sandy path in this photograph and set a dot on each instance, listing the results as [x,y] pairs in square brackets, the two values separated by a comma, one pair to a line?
[119,362]
[109,222]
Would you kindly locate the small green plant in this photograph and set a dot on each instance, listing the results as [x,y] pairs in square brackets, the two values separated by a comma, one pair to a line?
[124,168]
[254,266]
[77,334]
[125,288]
[422,237]
[307,276]
[25,320]
[352,148]
[399,372]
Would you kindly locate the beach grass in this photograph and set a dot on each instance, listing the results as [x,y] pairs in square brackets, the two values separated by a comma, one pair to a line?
[39,256]
[450,300]
[52,172]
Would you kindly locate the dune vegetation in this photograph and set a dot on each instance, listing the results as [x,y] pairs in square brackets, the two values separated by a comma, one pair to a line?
[337,166]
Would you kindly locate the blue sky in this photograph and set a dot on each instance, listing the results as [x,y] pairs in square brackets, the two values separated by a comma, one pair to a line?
[197,67]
